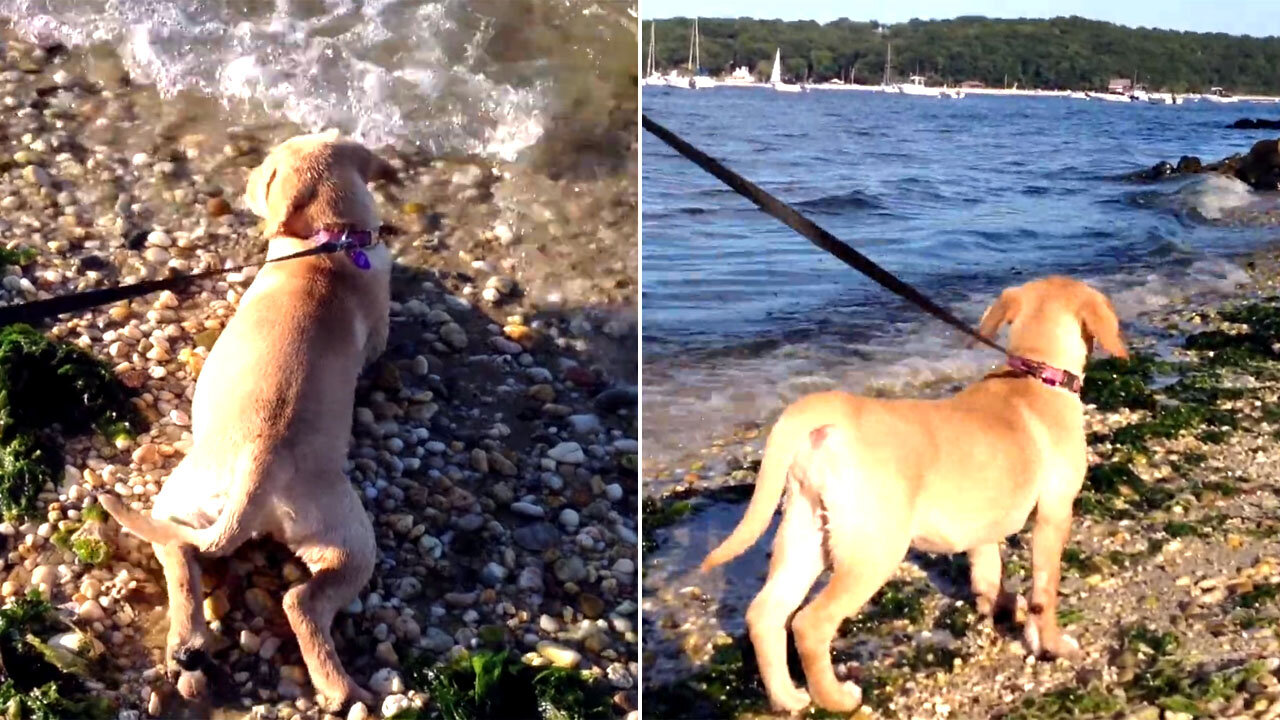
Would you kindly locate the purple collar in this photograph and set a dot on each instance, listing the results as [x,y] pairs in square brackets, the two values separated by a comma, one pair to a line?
[350,241]
[1047,374]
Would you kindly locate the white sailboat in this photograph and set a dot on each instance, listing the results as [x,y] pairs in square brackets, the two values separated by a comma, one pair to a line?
[651,76]
[885,85]
[697,80]
[775,77]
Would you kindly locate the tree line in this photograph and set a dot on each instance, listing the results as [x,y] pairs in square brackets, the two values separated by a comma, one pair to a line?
[1060,53]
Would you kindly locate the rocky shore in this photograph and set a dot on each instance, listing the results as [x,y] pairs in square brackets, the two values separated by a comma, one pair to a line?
[1171,576]
[494,443]
[1259,168]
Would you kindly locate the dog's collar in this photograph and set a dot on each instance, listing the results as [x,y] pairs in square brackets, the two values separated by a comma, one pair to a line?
[349,240]
[1047,374]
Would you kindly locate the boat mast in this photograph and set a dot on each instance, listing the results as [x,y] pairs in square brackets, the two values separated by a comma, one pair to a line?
[692,35]
[888,59]
[697,47]
[653,29]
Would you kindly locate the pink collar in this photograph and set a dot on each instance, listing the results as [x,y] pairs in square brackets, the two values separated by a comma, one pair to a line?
[1047,374]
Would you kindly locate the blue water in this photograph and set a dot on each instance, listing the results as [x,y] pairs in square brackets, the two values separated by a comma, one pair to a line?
[959,197]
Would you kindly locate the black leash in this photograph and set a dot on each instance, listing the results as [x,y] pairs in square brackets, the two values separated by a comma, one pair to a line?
[38,310]
[815,234]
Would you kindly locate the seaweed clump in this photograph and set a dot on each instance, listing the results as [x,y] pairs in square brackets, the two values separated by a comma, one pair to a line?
[1113,383]
[39,681]
[47,390]
[498,684]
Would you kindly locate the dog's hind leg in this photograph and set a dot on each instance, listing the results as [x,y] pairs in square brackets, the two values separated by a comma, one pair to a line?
[797,562]
[337,574]
[867,566]
[865,546]
[188,637]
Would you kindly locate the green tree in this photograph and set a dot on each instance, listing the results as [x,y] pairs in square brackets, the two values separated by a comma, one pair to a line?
[1060,53]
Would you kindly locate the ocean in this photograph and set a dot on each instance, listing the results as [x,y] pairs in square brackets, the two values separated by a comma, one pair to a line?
[452,77]
[959,197]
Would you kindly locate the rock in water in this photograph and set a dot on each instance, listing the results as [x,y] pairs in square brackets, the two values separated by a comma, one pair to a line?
[1255,124]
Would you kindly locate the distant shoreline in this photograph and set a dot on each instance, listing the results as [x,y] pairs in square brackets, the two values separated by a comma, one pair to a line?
[1028,92]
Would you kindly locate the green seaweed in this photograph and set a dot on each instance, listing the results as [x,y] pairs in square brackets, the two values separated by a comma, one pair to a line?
[1242,349]
[1070,617]
[659,513]
[726,686]
[1179,529]
[34,687]
[897,600]
[1261,594]
[1170,421]
[1113,383]
[1114,491]
[499,684]
[94,513]
[957,618]
[21,256]
[49,390]
[1066,702]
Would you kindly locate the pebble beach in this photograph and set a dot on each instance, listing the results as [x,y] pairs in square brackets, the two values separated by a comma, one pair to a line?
[494,443]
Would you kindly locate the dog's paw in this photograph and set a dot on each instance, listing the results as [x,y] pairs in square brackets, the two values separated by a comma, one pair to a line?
[338,698]
[791,701]
[1064,647]
[847,698]
[1057,645]
[192,685]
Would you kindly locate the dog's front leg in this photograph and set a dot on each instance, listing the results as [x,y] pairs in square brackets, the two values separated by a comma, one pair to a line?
[1049,535]
[985,579]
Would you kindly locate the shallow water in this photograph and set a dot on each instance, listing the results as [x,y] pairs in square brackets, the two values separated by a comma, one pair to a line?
[960,198]
[483,77]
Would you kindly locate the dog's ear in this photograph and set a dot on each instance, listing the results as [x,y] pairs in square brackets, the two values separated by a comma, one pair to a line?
[375,169]
[1002,311]
[1099,322]
[258,186]
[275,191]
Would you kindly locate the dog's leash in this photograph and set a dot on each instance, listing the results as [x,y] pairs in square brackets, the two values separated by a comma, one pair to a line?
[815,234]
[32,312]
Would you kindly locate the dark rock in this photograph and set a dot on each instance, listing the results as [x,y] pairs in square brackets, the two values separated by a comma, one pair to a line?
[1160,169]
[615,399]
[1189,164]
[136,240]
[1255,124]
[537,537]
[1261,167]
[91,263]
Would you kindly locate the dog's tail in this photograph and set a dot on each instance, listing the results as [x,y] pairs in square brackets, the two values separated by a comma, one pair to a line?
[228,532]
[787,436]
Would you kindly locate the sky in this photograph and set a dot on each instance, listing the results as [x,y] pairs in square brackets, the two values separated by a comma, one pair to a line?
[1237,17]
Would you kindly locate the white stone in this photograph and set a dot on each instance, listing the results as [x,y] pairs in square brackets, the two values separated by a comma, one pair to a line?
[567,452]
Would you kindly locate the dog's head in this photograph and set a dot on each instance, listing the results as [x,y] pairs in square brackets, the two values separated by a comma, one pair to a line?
[1055,319]
[310,181]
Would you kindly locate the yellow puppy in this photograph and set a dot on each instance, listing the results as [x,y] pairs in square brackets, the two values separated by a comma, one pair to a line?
[272,412]
[866,479]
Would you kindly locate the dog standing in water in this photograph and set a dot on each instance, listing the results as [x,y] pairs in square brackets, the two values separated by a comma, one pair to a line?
[866,479]
[272,413]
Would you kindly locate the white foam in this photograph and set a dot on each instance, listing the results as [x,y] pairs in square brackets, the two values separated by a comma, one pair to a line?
[383,71]
[1212,194]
